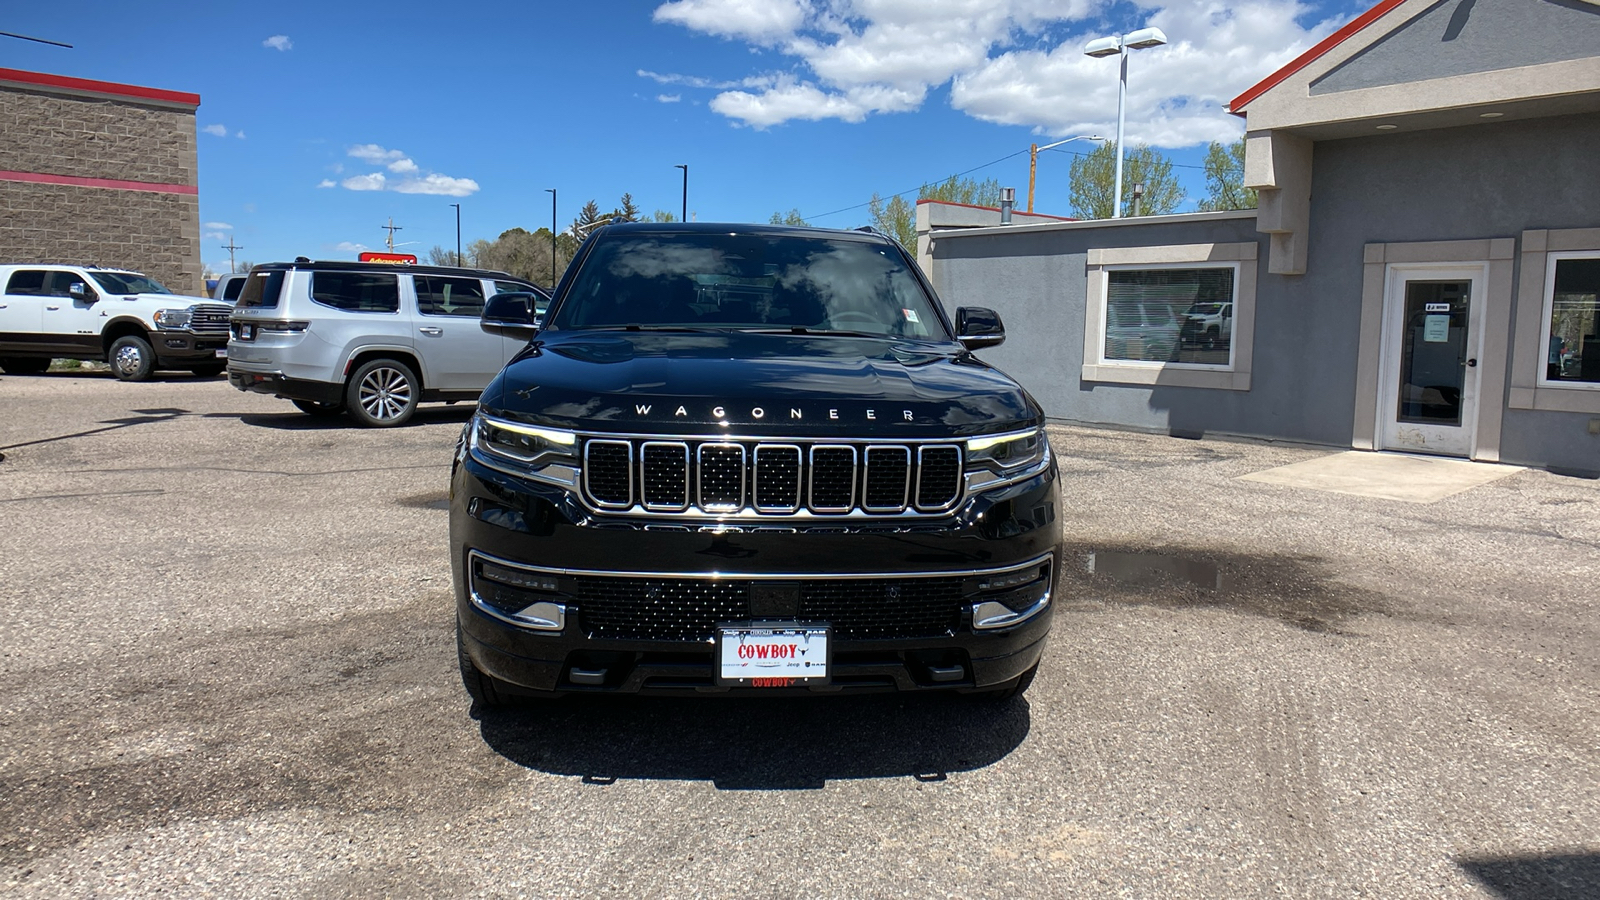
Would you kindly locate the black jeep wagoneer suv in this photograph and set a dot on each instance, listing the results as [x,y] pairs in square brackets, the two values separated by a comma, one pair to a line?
[750,459]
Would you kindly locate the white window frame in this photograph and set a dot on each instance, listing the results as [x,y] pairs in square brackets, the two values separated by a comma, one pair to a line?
[1235,376]
[1535,301]
[1542,379]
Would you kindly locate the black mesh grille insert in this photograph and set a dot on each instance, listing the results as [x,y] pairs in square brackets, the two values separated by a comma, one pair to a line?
[606,472]
[777,478]
[833,474]
[663,609]
[721,476]
[665,481]
[940,482]
[884,608]
[887,481]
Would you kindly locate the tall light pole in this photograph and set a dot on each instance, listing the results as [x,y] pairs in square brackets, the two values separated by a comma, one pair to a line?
[458,231]
[552,193]
[1033,158]
[1119,45]
[685,169]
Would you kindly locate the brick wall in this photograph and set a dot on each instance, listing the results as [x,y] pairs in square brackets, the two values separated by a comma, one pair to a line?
[56,133]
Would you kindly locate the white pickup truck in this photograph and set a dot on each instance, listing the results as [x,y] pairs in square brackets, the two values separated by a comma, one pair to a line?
[124,318]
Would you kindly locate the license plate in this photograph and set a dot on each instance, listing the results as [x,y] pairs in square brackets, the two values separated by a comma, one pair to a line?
[772,654]
[222,354]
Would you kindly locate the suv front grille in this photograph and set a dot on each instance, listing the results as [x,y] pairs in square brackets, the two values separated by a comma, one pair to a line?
[209,318]
[689,609]
[719,477]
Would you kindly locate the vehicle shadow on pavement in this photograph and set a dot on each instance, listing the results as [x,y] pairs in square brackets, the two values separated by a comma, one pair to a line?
[738,744]
[298,421]
[1561,875]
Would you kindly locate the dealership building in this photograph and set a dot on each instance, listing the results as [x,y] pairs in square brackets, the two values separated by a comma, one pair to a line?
[1421,275]
[94,172]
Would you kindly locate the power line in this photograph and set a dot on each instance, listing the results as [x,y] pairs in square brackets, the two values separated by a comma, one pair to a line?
[917,188]
[23,37]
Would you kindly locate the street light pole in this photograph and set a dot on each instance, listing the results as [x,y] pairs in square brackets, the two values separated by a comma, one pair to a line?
[458,232]
[552,193]
[1033,159]
[685,169]
[1119,45]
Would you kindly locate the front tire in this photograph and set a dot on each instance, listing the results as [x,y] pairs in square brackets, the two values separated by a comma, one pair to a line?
[382,393]
[21,366]
[131,358]
[319,410]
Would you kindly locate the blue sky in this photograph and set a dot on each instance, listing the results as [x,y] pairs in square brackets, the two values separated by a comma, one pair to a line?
[321,121]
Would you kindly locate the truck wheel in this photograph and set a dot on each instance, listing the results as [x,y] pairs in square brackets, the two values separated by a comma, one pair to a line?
[209,370]
[1006,692]
[131,358]
[320,410]
[485,690]
[382,393]
[19,366]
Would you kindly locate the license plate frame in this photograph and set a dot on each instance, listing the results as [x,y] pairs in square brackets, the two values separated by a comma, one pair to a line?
[806,659]
[222,354]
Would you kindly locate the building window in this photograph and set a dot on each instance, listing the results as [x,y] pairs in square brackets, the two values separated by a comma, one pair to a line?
[1177,315]
[1572,317]
[1172,315]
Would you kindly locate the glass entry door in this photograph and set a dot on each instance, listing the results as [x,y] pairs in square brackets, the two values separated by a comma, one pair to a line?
[1430,382]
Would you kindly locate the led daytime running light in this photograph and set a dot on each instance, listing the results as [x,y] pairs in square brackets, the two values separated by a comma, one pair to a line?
[564,438]
[978,445]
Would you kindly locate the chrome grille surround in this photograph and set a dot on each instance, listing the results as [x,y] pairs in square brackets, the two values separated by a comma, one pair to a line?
[745,478]
[591,467]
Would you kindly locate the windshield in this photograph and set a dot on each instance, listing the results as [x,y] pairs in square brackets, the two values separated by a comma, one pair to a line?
[128,283]
[749,282]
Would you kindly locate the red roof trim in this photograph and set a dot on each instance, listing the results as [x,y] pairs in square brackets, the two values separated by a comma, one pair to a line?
[85,85]
[1015,212]
[1306,58]
[155,187]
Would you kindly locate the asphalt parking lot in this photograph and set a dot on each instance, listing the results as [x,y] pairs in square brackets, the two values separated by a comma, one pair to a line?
[227,668]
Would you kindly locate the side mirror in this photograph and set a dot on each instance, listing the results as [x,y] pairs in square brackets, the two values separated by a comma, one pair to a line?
[978,327]
[511,315]
[79,291]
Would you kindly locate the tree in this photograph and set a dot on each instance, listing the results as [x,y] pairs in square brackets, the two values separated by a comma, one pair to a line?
[792,217]
[963,190]
[244,265]
[1225,178]
[627,212]
[587,216]
[662,215]
[1094,182]
[441,256]
[897,219]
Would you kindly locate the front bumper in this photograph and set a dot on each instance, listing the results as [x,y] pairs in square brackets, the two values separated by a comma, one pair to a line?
[175,348]
[523,523]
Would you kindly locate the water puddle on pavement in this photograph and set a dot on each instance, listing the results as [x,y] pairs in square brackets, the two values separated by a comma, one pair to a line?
[1146,568]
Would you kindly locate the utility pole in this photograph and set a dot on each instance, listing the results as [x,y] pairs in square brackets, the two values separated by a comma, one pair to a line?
[392,228]
[230,246]
[552,193]
[458,231]
[685,168]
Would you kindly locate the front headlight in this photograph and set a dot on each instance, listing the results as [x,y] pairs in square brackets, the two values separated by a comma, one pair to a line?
[1007,452]
[171,318]
[526,449]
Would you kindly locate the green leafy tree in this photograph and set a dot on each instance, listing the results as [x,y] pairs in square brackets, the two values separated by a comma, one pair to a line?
[963,190]
[792,217]
[662,215]
[1094,182]
[896,218]
[1225,178]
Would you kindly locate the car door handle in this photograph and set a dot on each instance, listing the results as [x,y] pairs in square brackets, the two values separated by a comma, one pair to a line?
[1472,363]
[432,329]
[52,307]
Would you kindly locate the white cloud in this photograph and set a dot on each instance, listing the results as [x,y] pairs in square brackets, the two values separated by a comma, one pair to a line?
[433,183]
[1015,62]
[668,98]
[218,226]
[349,247]
[327,183]
[217,130]
[375,154]
[239,135]
[754,20]
[279,42]
[214,236]
[415,179]
[372,182]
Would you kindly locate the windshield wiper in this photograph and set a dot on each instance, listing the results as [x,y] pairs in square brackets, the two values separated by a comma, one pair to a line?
[801,329]
[638,327]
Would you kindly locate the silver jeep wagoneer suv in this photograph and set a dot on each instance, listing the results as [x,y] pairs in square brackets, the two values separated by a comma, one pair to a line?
[370,339]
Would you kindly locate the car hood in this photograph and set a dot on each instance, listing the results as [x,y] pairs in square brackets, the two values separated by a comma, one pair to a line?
[173,301]
[766,384]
